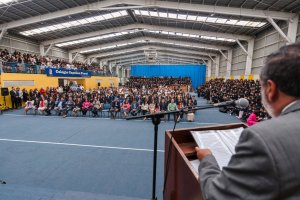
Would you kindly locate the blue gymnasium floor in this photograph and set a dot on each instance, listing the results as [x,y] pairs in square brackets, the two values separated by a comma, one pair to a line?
[55,158]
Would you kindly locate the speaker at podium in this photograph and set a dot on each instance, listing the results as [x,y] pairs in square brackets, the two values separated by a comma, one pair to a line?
[180,167]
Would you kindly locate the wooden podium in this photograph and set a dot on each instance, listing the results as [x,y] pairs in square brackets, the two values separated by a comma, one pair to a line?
[182,182]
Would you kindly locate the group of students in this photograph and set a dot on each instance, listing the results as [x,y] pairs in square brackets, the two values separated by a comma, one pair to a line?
[42,61]
[219,90]
[124,100]
[143,82]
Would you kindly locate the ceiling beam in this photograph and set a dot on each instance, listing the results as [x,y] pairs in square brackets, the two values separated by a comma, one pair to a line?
[131,61]
[142,54]
[128,59]
[135,61]
[178,59]
[58,14]
[104,5]
[147,27]
[215,9]
[143,61]
[198,58]
[111,59]
[154,40]
[278,29]
[150,47]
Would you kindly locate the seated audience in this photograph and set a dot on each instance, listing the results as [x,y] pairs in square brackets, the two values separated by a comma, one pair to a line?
[135,108]
[68,106]
[77,107]
[85,106]
[130,100]
[144,108]
[125,108]
[42,105]
[97,106]
[60,105]
[18,62]
[172,107]
[50,106]
[219,90]
[29,105]
[115,108]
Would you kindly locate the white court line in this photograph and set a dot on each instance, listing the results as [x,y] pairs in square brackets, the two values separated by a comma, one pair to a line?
[100,118]
[78,145]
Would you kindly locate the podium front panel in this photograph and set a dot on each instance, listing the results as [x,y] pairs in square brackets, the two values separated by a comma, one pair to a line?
[182,182]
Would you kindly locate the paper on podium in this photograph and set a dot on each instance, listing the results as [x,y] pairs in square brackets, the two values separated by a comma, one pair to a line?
[220,142]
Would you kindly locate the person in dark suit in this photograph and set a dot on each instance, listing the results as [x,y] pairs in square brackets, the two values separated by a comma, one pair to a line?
[50,106]
[60,105]
[18,98]
[266,163]
[12,94]
[115,107]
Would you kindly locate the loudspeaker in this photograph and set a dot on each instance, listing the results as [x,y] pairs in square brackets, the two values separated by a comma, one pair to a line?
[99,84]
[4,92]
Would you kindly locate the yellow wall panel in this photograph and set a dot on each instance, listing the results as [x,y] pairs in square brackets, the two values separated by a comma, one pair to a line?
[251,77]
[41,80]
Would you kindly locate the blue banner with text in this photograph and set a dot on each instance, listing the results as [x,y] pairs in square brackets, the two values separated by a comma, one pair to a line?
[67,72]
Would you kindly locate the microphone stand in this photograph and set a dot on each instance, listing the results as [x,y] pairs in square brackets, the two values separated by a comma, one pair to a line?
[156,119]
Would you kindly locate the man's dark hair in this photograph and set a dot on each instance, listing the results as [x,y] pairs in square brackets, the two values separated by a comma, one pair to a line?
[283,67]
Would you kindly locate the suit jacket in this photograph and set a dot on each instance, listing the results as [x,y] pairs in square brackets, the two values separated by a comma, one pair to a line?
[51,105]
[12,94]
[266,165]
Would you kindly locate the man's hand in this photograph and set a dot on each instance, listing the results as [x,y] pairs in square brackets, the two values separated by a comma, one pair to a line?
[202,153]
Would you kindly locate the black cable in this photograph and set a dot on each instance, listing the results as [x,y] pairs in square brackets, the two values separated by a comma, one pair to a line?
[169,153]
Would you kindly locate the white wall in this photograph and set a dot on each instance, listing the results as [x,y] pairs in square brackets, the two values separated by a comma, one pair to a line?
[13,43]
[58,53]
[265,43]
[213,69]
[80,58]
[238,61]
[223,68]
[298,33]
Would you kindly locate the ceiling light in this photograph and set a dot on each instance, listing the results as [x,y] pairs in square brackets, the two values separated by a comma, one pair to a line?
[192,17]
[101,37]
[74,23]
[153,14]
[209,19]
[6,1]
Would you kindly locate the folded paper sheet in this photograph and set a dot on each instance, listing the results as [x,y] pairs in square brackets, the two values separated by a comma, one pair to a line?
[220,142]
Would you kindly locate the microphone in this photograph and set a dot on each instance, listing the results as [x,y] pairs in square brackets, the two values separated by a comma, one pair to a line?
[240,103]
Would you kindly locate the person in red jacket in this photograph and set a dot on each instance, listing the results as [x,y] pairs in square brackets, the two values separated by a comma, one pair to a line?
[42,91]
[252,119]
